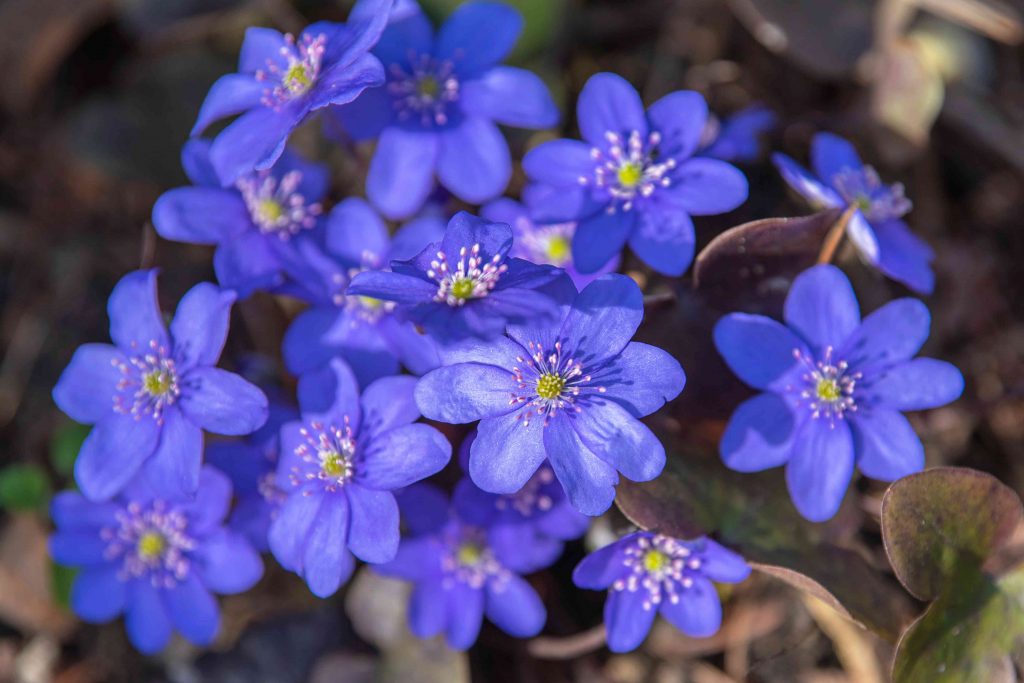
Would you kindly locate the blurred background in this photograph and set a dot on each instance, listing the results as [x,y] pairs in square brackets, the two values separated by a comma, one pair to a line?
[97,97]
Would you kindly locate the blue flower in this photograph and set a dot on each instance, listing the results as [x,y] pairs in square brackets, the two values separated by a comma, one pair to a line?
[281,81]
[251,223]
[649,574]
[362,330]
[738,138]
[338,468]
[833,388]
[251,465]
[634,177]
[157,562]
[464,286]
[570,392]
[549,244]
[541,502]
[877,230]
[462,571]
[151,394]
[439,110]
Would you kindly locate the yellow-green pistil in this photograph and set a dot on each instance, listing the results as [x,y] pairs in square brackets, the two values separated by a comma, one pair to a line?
[428,88]
[469,554]
[550,386]
[158,382]
[655,560]
[462,288]
[151,545]
[296,78]
[828,390]
[270,210]
[558,249]
[630,174]
[334,464]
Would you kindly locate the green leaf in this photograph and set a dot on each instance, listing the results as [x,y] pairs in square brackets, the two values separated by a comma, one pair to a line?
[65,446]
[61,579]
[24,487]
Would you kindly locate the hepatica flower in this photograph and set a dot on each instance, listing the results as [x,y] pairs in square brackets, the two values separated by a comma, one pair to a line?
[466,285]
[634,177]
[877,228]
[648,574]
[569,392]
[738,137]
[462,571]
[338,468]
[152,393]
[157,562]
[834,388]
[538,243]
[282,79]
[362,330]
[250,223]
[437,114]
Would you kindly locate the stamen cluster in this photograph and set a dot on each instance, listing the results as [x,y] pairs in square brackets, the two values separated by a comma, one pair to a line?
[535,496]
[629,168]
[152,541]
[330,451]
[471,278]
[469,560]
[148,384]
[275,206]
[304,58]
[660,566]
[425,91]
[548,382]
[829,386]
[878,201]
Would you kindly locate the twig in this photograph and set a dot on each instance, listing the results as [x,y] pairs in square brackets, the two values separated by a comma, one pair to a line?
[835,235]
[854,650]
[567,648]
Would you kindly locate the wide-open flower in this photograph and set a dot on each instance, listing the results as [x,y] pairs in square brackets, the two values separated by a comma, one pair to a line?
[338,467]
[158,562]
[152,393]
[549,244]
[634,177]
[833,388]
[362,330]
[438,112]
[466,285]
[648,574]
[462,571]
[281,80]
[570,392]
[250,223]
[877,228]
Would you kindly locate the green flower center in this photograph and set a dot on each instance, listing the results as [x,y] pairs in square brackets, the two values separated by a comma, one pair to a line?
[370,303]
[828,390]
[558,249]
[469,554]
[158,382]
[270,210]
[428,88]
[151,545]
[550,385]
[462,288]
[655,560]
[863,203]
[630,174]
[334,464]
[296,78]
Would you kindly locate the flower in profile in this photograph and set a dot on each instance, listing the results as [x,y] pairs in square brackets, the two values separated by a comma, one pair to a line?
[549,244]
[466,285]
[877,228]
[834,388]
[362,330]
[648,574]
[438,112]
[152,393]
[282,79]
[338,468]
[462,571]
[250,223]
[634,177]
[738,137]
[570,392]
[156,561]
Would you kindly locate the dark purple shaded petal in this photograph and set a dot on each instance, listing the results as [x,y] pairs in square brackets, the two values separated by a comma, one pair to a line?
[603,318]
[705,187]
[227,563]
[173,469]
[822,308]
[680,118]
[918,384]
[521,548]
[428,609]
[739,137]
[562,291]
[326,562]
[599,238]
[721,564]
[290,530]
[195,161]
[373,525]
[563,522]
[86,388]
[886,446]
[403,456]
[466,230]
[515,607]
[641,379]
[465,611]
[516,304]
[231,94]
[904,256]
[98,595]
[831,154]
[255,140]
[416,351]
[331,394]
[621,440]
[112,454]
[506,452]
[354,230]
[222,402]
[627,620]
[406,35]
[402,289]
[609,104]
[600,569]
[759,350]
[418,558]
[589,482]
[760,434]
[510,96]
[698,612]
[820,468]
[193,610]
[478,35]
[550,203]
[389,403]
[146,619]
[473,505]
[474,162]
[308,342]
[135,318]
[200,215]
[415,235]
[465,392]
[402,171]
[366,22]
[893,333]
[340,84]
[209,507]
[663,238]
[200,325]
[424,508]
[247,263]
[817,194]
[70,510]
[365,117]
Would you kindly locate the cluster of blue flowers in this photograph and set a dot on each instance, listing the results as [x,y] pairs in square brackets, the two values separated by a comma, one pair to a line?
[513,320]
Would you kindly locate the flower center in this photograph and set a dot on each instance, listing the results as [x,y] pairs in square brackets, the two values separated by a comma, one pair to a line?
[275,205]
[328,456]
[655,560]
[151,542]
[426,92]
[302,60]
[148,384]
[543,243]
[151,545]
[876,200]
[628,169]
[469,560]
[550,386]
[829,386]
[334,465]
[469,554]
[548,383]
[660,566]
[471,278]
